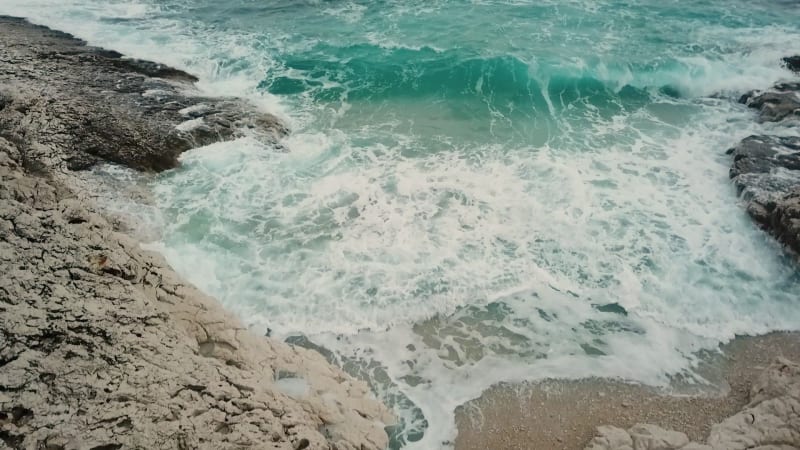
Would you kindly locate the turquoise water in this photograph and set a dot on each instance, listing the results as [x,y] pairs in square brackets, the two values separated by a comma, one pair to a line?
[473,192]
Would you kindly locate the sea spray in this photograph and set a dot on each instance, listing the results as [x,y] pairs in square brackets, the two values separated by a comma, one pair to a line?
[473,192]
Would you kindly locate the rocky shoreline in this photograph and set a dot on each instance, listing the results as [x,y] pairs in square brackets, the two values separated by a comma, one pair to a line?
[766,172]
[768,421]
[102,345]
[760,409]
[766,169]
[571,414]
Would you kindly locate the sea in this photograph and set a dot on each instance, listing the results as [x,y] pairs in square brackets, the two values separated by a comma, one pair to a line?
[473,191]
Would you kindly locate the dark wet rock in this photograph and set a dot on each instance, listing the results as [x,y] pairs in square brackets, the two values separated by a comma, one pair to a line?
[104,107]
[766,171]
[792,63]
[779,103]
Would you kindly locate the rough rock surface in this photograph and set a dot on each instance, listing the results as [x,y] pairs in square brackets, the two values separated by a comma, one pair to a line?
[102,346]
[766,171]
[776,104]
[771,421]
[80,98]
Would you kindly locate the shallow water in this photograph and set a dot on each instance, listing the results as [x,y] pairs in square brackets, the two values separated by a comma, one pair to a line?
[474,191]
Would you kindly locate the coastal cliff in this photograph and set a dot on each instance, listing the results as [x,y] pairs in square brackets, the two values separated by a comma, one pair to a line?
[102,345]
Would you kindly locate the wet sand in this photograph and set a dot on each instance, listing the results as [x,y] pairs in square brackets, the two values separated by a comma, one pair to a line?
[559,414]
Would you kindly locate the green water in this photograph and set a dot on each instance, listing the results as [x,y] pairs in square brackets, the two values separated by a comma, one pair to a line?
[473,192]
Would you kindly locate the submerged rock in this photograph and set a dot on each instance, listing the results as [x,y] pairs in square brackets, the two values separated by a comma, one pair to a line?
[99,106]
[770,421]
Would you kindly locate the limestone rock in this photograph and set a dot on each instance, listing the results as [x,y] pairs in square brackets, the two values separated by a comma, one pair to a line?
[611,438]
[771,421]
[641,437]
[792,63]
[102,344]
[651,437]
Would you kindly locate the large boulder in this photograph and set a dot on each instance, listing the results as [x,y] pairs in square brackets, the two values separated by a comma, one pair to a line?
[766,172]
[102,345]
[771,421]
[104,107]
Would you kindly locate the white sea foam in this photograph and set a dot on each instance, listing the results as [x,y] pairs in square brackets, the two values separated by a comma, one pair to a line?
[468,264]
[375,243]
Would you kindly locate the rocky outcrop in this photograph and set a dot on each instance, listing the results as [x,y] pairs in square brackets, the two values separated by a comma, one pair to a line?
[792,63]
[766,169]
[766,172]
[776,104]
[771,421]
[102,345]
[81,99]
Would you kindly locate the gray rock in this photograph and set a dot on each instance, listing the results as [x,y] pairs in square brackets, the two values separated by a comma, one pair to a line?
[696,446]
[771,419]
[104,107]
[766,172]
[639,437]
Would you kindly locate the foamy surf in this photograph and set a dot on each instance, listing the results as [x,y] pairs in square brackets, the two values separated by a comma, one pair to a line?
[455,211]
